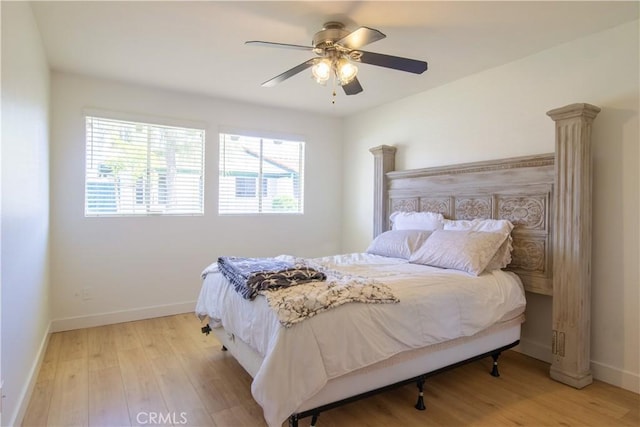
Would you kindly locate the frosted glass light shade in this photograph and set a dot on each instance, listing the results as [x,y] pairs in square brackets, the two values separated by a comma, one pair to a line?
[322,71]
[346,71]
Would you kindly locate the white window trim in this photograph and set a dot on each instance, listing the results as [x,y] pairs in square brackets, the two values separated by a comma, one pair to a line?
[275,135]
[151,121]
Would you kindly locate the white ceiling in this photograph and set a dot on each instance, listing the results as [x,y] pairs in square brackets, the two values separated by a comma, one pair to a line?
[199,46]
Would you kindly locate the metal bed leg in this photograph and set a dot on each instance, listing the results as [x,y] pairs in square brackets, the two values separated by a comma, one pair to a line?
[293,420]
[420,404]
[314,419]
[494,370]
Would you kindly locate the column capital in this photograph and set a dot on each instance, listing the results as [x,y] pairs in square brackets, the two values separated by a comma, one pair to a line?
[574,110]
[383,150]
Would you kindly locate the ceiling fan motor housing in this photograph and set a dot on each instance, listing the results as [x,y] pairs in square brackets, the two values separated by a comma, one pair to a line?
[331,32]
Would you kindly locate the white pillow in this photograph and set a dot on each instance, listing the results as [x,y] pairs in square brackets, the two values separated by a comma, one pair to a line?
[416,221]
[468,250]
[398,243]
[502,257]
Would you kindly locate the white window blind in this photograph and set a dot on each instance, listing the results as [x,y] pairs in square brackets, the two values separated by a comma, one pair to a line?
[260,175]
[135,168]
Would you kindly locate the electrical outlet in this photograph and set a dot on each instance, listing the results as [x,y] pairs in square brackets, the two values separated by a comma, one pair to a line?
[86,294]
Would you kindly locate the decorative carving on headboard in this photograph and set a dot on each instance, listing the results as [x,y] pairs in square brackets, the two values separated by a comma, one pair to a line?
[529,255]
[440,205]
[473,207]
[527,212]
[404,205]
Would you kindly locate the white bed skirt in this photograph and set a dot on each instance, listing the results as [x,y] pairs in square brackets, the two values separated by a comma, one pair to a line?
[398,368]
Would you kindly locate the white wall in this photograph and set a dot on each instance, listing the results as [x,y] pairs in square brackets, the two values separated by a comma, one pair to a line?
[25,204]
[146,266]
[501,113]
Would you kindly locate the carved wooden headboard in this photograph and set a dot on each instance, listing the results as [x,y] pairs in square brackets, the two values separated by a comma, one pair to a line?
[519,189]
[548,199]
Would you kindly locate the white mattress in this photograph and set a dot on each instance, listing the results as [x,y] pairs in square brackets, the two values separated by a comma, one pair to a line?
[435,306]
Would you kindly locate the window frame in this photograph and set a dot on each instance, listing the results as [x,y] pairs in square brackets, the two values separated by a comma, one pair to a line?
[262,180]
[153,177]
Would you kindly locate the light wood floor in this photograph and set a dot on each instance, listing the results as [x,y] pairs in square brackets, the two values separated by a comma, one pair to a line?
[121,375]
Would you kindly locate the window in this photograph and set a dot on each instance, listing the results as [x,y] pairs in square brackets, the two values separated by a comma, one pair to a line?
[260,175]
[135,168]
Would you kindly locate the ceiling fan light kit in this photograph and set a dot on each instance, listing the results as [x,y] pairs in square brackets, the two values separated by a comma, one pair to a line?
[341,68]
[338,51]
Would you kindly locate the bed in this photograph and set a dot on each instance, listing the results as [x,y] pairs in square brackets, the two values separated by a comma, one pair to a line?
[317,364]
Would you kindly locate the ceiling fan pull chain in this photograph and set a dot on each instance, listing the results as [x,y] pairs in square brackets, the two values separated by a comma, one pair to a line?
[333,100]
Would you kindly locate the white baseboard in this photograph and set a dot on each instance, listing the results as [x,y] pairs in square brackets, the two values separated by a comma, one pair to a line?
[600,371]
[27,390]
[615,376]
[89,321]
[534,349]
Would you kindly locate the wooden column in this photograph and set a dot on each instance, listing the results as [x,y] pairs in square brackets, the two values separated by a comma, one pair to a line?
[384,161]
[571,335]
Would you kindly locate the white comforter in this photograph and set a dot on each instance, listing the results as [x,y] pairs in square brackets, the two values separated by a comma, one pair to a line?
[436,305]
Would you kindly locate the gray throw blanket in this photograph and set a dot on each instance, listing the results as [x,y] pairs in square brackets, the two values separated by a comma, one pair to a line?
[250,275]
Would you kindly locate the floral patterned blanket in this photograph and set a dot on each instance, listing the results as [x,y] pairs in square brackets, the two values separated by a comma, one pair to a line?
[250,275]
[295,304]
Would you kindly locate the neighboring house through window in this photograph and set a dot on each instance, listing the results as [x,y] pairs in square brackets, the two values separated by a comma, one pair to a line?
[260,175]
[136,168]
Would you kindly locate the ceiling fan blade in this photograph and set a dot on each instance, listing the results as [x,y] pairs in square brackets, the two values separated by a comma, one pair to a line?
[290,73]
[395,62]
[282,45]
[353,87]
[360,37]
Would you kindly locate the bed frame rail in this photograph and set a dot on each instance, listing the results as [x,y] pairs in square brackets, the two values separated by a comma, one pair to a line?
[419,380]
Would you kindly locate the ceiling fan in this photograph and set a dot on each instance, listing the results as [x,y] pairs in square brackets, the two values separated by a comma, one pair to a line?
[338,52]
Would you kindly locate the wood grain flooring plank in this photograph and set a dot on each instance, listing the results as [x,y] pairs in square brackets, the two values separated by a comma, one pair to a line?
[197,417]
[152,338]
[38,409]
[178,338]
[107,400]
[50,358]
[141,387]
[178,392]
[69,401]
[125,336]
[237,416]
[207,381]
[101,348]
[74,344]
[191,327]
